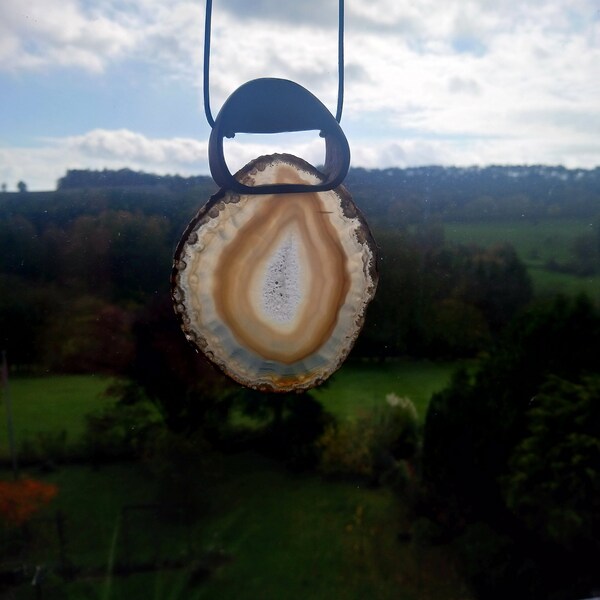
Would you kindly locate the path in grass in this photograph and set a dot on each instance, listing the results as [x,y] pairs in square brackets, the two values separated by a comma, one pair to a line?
[52,404]
[360,387]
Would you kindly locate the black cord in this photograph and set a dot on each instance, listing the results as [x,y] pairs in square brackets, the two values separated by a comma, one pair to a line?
[340,99]
[207,28]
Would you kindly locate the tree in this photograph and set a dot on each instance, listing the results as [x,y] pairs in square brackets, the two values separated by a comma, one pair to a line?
[391,315]
[496,282]
[511,457]
[586,252]
[88,335]
[190,394]
[22,186]
[20,247]
[473,427]
[25,312]
[119,255]
[553,484]
[436,299]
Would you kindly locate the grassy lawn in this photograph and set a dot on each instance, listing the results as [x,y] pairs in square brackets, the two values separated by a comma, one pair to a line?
[52,404]
[283,535]
[303,538]
[359,387]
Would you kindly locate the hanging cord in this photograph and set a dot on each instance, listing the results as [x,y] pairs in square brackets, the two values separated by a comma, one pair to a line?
[340,98]
[207,29]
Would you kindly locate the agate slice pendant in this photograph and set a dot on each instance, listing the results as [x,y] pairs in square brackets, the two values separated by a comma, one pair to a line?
[273,288]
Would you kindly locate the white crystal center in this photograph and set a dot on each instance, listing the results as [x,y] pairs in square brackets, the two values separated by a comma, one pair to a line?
[281,290]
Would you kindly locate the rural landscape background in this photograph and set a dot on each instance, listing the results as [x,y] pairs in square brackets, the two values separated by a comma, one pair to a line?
[455,455]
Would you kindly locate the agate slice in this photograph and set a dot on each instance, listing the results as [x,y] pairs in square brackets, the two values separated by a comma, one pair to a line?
[273,288]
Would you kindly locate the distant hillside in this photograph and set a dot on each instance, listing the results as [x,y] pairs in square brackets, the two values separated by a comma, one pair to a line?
[467,194]
[413,194]
[125,178]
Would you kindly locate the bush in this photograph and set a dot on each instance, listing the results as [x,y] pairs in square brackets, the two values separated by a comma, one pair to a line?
[119,432]
[20,500]
[375,446]
[553,485]
[346,449]
[285,426]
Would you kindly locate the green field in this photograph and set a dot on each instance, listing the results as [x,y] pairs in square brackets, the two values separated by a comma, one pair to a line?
[51,404]
[550,282]
[359,387]
[535,243]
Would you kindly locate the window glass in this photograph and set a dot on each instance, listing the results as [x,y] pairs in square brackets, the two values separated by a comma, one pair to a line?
[455,454]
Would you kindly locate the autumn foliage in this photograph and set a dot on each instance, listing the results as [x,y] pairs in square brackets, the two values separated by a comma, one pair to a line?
[20,500]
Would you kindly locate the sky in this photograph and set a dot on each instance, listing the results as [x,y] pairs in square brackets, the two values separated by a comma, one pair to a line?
[93,84]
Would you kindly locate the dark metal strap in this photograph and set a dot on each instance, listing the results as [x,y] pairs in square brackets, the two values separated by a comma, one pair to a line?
[207,30]
[270,105]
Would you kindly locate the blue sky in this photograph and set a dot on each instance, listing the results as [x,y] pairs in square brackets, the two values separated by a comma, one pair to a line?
[117,83]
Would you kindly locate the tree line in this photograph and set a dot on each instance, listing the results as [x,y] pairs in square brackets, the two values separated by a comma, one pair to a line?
[404,196]
[69,262]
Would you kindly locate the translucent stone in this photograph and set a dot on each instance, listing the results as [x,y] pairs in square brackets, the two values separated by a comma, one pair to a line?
[275,287]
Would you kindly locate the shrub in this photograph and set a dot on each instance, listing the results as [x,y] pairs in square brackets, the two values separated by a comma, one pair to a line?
[375,445]
[553,484]
[118,431]
[20,500]
[346,449]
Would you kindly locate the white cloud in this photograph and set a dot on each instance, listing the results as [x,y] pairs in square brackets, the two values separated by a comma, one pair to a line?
[58,33]
[315,13]
[464,80]
[126,146]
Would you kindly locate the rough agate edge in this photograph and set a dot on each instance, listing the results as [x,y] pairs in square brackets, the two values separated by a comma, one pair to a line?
[273,288]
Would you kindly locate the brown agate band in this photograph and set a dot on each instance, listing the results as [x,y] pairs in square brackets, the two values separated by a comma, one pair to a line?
[273,288]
